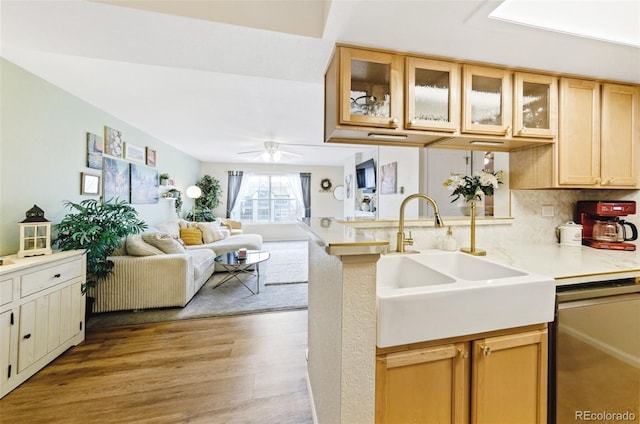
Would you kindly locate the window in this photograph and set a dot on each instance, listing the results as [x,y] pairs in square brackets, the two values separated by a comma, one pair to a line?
[269,198]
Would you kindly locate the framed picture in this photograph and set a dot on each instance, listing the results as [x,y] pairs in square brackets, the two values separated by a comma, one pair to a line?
[144,184]
[89,183]
[115,179]
[134,153]
[388,178]
[151,157]
[95,150]
[113,142]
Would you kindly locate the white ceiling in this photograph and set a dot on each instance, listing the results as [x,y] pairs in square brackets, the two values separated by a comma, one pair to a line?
[217,77]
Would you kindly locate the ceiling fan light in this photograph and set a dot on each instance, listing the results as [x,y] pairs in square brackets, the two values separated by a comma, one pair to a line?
[276,156]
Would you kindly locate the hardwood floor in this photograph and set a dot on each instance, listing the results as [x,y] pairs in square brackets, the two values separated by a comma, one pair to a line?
[242,369]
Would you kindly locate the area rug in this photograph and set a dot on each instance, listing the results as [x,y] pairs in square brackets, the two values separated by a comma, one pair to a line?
[282,287]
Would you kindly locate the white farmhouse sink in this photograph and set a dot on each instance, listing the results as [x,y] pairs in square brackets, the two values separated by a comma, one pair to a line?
[433,295]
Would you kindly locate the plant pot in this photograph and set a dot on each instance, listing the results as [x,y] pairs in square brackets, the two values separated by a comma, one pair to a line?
[88,312]
[465,207]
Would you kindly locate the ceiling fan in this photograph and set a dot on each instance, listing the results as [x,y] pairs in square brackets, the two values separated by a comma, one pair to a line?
[271,152]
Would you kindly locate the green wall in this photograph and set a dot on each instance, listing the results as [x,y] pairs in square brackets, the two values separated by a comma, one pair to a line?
[43,151]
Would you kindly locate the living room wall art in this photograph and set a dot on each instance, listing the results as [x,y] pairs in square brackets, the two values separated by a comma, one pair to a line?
[151,157]
[95,149]
[89,183]
[116,179]
[134,153]
[113,142]
[388,178]
[144,184]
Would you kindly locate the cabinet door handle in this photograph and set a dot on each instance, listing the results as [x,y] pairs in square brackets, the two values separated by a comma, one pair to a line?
[57,276]
[523,130]
[508,131]
[486,350]
[394,122]
[27,336]
[463,353]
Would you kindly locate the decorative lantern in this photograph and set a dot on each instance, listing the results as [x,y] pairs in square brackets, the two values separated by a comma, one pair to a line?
[35,234]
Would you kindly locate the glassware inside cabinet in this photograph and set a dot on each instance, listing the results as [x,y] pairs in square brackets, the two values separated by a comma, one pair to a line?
[370,88]
[535,108]
[536,105]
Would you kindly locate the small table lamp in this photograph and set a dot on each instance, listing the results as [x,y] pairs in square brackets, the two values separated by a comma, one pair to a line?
[35,234]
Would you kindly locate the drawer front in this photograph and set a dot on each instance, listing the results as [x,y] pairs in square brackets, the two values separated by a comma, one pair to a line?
[49,277]
[6,291]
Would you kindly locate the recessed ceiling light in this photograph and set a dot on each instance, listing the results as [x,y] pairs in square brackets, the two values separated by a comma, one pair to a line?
[614,21]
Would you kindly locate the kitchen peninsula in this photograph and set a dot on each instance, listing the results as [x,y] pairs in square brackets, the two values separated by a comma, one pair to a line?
[342,305]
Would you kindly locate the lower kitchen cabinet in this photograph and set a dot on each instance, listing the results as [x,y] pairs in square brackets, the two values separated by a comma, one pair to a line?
[498,377]
[41,313]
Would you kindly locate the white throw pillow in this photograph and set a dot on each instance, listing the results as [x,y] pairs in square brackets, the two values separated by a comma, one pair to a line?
[136,246]
[165,242]
[171,227]
[211,232]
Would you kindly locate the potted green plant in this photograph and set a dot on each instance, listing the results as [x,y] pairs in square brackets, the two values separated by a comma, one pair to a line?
[164,179]
[208,200]
[98,228]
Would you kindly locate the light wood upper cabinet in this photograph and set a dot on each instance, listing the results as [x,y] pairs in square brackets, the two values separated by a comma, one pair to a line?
[486,100]
[579,146]
[598,144]
[598,141]
[620,135]
[535,105]
[490,108]
[432,95]
[492,378]
[371,88]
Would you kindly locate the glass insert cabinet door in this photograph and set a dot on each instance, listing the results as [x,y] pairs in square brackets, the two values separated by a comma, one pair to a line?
[486,100]
[433,95]
[536,105]
[371,89]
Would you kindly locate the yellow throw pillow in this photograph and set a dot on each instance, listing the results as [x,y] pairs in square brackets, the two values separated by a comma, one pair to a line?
[191,236]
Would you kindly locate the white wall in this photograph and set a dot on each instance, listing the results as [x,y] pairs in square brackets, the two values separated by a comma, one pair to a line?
[407,180]
[43,151]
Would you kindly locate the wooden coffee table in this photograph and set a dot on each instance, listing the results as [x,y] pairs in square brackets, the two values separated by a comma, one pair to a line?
[236,267]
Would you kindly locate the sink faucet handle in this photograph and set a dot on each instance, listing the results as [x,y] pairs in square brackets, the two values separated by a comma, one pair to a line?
[409,240]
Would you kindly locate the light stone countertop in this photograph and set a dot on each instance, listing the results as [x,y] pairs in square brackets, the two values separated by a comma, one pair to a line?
[569,265]
[565,264]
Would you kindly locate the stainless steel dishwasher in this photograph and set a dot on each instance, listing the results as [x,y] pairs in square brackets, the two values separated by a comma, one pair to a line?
[595,353]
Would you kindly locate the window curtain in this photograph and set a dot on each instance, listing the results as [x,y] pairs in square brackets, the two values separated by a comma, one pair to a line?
[305,185]
[234,183]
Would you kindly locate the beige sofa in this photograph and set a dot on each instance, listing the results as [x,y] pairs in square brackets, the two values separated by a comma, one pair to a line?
[154,270]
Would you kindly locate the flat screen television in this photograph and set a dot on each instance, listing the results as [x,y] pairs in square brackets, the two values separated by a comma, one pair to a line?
[366,175]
